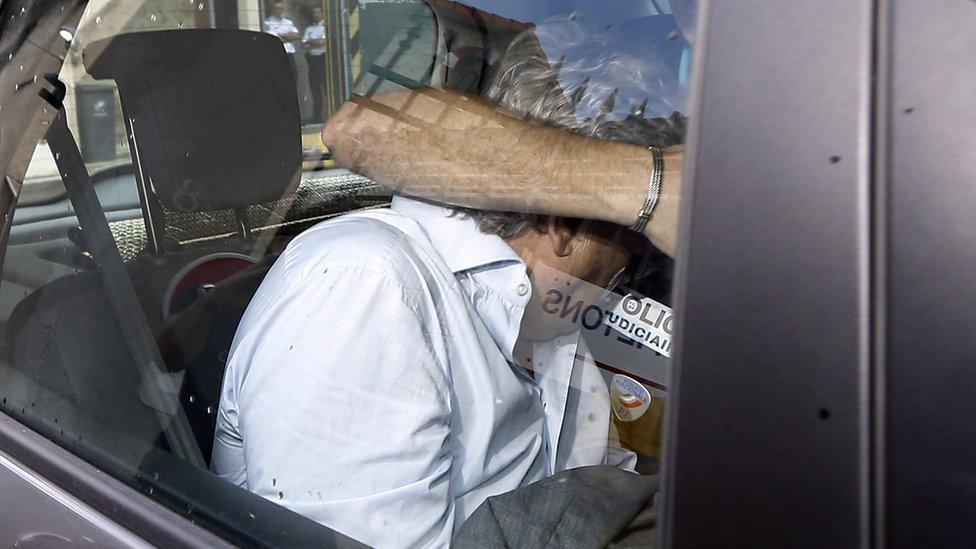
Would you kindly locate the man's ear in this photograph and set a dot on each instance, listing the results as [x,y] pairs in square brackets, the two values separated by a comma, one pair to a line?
[561,233]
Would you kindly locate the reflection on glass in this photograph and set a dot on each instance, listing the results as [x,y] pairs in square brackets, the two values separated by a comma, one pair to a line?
[379,368]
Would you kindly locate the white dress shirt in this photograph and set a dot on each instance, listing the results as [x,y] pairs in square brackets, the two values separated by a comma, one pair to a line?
[370,385]
[280,26]
[314,32]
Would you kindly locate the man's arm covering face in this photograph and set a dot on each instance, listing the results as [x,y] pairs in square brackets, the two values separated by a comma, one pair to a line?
[344,410]
[448,147]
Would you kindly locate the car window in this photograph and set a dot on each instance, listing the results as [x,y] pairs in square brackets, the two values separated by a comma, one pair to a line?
[214,311]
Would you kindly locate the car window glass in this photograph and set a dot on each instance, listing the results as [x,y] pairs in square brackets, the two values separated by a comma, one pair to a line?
[132,320]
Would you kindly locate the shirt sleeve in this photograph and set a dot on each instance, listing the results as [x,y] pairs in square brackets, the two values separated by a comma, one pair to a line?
[622,459]
[345,409]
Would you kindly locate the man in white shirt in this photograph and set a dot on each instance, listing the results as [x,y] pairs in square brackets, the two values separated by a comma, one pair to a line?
[393,370]
[314,42]
[282,27]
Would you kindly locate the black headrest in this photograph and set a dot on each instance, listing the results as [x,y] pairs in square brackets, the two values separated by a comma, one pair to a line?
[214,113]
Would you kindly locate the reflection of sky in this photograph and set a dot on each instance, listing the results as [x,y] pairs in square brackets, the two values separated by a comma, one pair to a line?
[627,28]
[603,11]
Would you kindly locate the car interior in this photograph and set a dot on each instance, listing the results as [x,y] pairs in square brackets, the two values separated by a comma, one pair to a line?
[213,191]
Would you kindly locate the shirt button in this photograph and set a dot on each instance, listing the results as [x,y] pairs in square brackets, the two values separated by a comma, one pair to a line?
[522,289]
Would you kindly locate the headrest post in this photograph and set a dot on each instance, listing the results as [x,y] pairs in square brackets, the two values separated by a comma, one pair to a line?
[152,213]
[243,227]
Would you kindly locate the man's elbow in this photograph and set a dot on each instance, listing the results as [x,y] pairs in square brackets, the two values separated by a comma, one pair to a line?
[330,133]
[340,135]
[332,138]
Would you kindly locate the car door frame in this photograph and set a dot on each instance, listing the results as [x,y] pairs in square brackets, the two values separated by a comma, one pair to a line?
[769,437]
[926,257]
[78,491]
[824,381]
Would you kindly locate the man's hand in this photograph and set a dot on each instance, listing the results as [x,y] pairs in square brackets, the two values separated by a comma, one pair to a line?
[367,133]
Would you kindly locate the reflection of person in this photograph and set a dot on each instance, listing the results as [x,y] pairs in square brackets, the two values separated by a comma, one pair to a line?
[282,27]
[314,42]
[371,384]
[425,142]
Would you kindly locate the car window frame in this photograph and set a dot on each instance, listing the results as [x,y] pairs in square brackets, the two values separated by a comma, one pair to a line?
[104,493]
[926,261]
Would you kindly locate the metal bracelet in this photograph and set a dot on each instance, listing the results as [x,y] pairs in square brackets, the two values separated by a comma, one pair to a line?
[653,190]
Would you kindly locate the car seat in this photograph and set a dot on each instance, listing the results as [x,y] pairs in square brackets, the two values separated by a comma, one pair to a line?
[213,125]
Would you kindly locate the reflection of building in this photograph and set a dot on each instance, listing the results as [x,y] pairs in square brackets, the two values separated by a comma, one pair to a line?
[393,39]
[356,38]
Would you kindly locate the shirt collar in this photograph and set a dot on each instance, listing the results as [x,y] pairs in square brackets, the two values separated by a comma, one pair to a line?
[456,237]
[493,274]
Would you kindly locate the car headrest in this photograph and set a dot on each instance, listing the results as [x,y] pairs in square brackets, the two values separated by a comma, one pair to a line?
[213,114]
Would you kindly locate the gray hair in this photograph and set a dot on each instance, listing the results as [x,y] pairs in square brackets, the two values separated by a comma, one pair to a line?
[592,89]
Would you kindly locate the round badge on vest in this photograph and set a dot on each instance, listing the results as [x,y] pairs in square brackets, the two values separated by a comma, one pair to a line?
[629,398]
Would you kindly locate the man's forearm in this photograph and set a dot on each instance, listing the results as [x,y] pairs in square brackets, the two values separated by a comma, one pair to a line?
[444,146]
